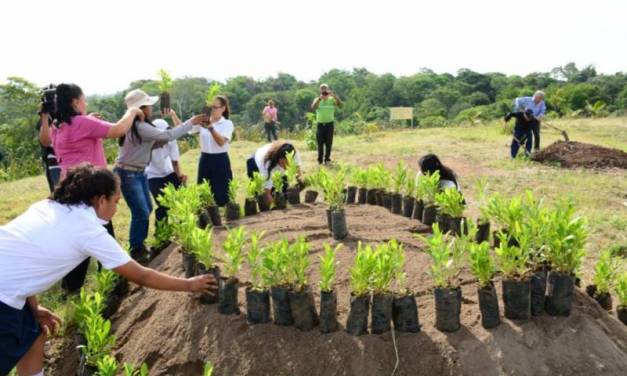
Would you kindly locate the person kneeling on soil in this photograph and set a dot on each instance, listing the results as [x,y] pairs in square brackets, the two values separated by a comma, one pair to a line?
[269,158]
[430,163]
[522,131]
[51,238]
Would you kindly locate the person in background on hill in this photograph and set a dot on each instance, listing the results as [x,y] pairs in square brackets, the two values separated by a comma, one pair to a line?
[78,138]
[270,121]
[522,131]
[214,165]
[135,153]
[538,107]
[49,161]
[164,167]
[430,163]
[268,159]
[48,240]
[324,106]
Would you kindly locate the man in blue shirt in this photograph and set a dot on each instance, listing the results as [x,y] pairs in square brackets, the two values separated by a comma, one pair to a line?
[537,106]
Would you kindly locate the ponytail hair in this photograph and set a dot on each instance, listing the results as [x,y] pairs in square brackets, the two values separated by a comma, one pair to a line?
[66,94]
[278,151]
[84,183]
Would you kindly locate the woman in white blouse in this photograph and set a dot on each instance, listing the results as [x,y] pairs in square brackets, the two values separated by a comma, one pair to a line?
[214,165]
[268,159]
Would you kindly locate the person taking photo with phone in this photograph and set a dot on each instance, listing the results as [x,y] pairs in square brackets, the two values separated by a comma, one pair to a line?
[324,106]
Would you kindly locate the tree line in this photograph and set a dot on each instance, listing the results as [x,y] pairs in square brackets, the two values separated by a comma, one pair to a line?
[438,99]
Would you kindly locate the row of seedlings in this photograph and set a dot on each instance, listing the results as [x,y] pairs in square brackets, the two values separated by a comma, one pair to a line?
[610,274]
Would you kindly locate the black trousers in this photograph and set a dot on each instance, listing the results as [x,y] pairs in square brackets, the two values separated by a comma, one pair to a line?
[535,129]
[270,129]
[156,185]
[324,137]
[75,279]
[216,169]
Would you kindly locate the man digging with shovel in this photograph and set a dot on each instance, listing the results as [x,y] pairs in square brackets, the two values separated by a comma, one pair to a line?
[522,131]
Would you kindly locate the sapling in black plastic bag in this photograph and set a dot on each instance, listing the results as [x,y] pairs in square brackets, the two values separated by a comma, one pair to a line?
[361,283]
[233,210]
[233,258]
[328,296]
[300,295]
[257,296]
[483,267]
[605,272]
[202,249]
[399,179]
[291,172]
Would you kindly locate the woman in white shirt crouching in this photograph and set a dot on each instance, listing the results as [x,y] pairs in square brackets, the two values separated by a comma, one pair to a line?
[51,238]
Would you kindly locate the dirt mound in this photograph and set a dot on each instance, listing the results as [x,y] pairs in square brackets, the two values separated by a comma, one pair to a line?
[577,154]
[175,334]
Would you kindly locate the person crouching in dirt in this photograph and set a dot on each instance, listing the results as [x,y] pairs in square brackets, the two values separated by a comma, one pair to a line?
[430,163]
[522,131]
[48,240]
[268,159]
[538,109]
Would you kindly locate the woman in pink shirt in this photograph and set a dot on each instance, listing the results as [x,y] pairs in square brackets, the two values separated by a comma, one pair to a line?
[77,138]
[270,119]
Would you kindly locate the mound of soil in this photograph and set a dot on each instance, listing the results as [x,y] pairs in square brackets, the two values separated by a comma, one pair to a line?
[176,335]
[577,154]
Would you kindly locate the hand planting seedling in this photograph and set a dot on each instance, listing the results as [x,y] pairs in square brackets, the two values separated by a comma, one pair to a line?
[328,296]
[605,272]
[483,267]
[447,263]
[233,259]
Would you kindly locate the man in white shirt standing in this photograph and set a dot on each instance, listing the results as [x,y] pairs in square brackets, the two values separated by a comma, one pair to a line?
[164,167]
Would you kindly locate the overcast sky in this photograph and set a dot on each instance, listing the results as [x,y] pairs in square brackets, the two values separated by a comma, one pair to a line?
[104,45]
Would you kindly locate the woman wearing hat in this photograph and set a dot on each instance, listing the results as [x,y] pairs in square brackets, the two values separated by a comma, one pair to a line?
[77,138]
[214,165]
[51,238]
[268,159]
[135,152]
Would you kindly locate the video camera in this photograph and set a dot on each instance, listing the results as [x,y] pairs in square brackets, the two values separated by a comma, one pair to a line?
[49,100]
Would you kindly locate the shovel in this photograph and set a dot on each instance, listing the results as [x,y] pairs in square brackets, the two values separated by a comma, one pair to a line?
[557,129]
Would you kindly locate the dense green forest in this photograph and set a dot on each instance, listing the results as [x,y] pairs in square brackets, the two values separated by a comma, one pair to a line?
[438,99]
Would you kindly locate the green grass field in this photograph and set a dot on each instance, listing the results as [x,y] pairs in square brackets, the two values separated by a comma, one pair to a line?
[473,152]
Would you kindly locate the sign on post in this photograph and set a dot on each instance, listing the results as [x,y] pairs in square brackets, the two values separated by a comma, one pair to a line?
[402,113]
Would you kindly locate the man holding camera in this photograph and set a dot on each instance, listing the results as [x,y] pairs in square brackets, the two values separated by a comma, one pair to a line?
[324,106]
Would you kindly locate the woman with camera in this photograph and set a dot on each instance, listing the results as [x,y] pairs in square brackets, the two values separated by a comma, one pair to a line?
[135,153]
[48,240]
[214,165]
[78,138]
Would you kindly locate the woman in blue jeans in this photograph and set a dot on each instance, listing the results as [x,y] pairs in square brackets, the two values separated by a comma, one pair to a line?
[135,152]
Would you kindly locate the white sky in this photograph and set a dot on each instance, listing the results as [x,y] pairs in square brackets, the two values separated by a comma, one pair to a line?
[104,45]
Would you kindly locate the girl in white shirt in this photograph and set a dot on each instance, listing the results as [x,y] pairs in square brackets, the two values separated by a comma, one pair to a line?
[430,163]
[214,165]
[268,159]
[51,238]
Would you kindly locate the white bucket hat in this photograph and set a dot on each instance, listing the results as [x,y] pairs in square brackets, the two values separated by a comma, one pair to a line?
[160,124]
[138,98]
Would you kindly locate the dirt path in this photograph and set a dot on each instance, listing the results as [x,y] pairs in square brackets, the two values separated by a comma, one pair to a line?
[175,334]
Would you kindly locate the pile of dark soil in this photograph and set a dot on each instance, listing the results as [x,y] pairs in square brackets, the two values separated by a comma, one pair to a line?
[176,335]
[577,154]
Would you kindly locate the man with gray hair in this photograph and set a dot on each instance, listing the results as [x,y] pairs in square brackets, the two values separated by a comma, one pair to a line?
[537,106]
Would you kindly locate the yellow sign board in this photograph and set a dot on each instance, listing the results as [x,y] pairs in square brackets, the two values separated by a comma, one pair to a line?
[401,113]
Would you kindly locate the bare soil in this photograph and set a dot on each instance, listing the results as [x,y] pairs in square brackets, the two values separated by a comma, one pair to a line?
[175,334]
[577,154]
